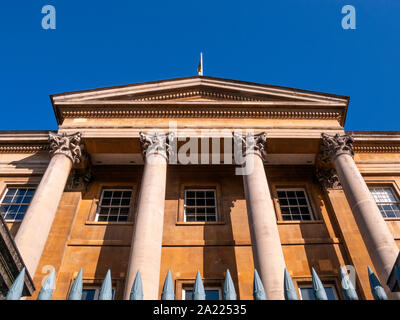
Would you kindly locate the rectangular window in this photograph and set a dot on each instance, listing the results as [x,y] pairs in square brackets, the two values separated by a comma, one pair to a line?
[15,202]
[211,293]
[306,292]
[387,201]
[200,205]
[294,204]
[114,205]
[93,293]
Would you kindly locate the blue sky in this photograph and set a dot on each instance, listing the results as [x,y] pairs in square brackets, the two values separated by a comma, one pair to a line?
[294,43]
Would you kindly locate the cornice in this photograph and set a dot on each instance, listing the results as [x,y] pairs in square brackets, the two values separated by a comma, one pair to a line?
[195,112]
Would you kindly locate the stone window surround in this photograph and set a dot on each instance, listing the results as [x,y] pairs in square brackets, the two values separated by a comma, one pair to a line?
[96,201]
[316,214]
[200,185]
[389,183]
[182,282]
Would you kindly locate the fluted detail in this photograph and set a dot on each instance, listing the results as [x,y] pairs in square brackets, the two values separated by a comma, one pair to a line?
[251,144]
[66,144]
[332,146]
[157,143]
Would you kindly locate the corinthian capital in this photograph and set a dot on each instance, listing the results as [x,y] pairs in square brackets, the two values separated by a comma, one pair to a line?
[250,143]
[66,144]
[332,146]
[157,143]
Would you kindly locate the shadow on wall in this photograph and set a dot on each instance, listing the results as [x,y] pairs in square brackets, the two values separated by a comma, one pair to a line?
[219,249]
[321,256]
[114,253]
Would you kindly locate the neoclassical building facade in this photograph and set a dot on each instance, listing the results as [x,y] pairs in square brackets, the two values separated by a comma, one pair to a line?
[202,174]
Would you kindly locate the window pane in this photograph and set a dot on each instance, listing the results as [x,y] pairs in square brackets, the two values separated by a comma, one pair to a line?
[188,294]
[11,191]
[125,202]
[106,202]
[212,294]
[330,292]
[210,194]
[88,294]
[307,294]
[190,194]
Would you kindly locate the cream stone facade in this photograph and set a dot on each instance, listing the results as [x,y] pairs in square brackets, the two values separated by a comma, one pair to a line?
[133,140]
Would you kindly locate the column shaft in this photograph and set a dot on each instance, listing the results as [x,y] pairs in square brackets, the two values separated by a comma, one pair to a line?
[35,227]
[380,243]
[267,249]
[145,252]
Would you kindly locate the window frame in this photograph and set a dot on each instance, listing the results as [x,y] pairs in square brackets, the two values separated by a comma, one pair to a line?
[97,291]
[205,190]
[190,287]
[180,217]
[313,212]
[309,286]
[17,187]
[395,193]
[95,191]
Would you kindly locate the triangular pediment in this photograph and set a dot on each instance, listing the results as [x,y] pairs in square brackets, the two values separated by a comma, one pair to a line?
[197,89]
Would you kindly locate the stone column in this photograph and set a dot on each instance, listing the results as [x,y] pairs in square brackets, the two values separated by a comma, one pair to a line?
[267,249]
[378,239]
[145,254]
[31,237]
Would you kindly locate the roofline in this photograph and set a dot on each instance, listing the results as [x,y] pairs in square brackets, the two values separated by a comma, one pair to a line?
[202,77]
[328,95]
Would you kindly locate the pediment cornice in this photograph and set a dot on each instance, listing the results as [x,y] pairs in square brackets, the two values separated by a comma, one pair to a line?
[204,97]
[199,86]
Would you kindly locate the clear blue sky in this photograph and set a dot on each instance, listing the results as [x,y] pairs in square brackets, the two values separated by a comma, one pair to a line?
[294,43]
